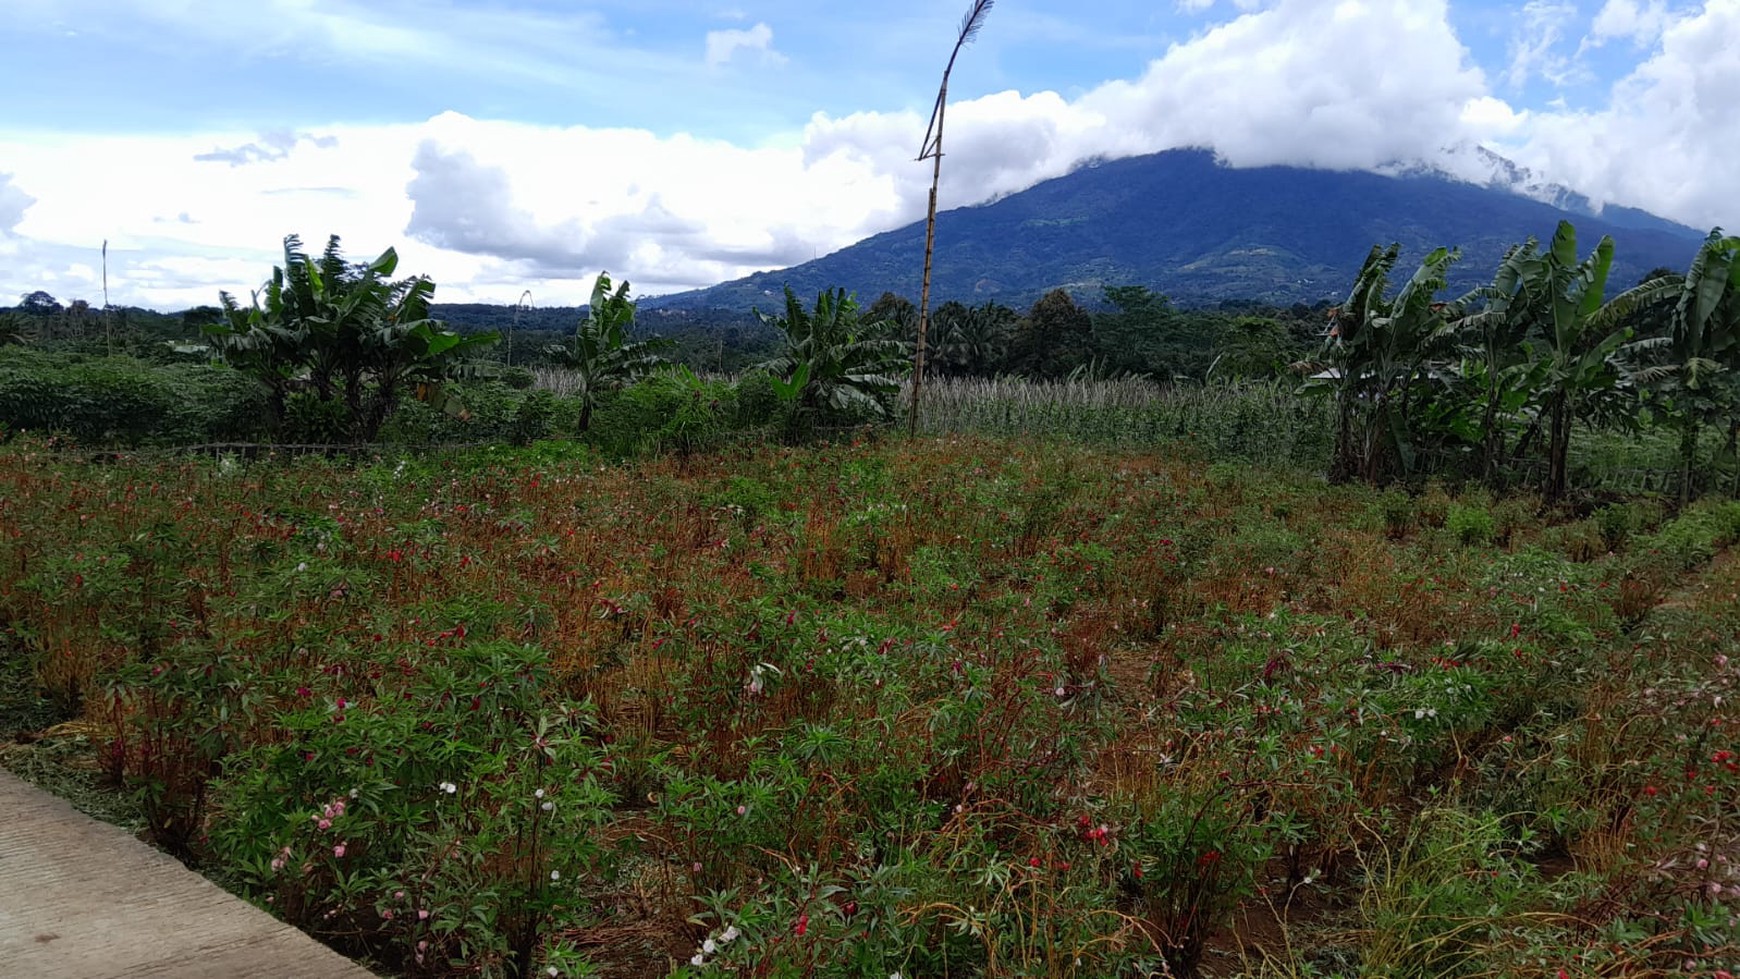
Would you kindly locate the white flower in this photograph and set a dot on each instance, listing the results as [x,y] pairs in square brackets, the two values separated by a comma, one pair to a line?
[548,807]
[709,946]
[552,972]
[698,960]
[302,566]
[448,787]
[555,875]
[538,794]
[729,935]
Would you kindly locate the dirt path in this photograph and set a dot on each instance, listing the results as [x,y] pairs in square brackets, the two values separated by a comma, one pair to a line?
[81,898]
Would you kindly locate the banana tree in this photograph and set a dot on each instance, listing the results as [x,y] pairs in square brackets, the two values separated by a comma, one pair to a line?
[602,354]
[266,339]
[1494,360]
[347,333]
[832,365]
[1385,357]
[1698,360]
[1581,334]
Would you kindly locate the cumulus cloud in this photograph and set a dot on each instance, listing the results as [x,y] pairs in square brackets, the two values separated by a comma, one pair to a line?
[665,213]
[724,45]
[272,146]
[1641,23]
[1378,81]
[1670,133]
[13,203]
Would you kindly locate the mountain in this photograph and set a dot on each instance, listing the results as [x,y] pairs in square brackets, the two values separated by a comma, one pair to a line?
[1184,224]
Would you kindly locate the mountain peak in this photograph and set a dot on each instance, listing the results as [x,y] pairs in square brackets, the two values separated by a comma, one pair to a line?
[1187,224]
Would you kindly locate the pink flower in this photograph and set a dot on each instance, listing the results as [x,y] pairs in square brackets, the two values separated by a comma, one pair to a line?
[338,851]
[423,914]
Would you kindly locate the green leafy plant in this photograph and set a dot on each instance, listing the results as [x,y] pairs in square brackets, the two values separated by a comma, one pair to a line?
[602,356]
[832,369]
[346,334]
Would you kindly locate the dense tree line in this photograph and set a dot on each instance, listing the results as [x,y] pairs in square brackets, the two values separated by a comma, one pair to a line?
[1131,331]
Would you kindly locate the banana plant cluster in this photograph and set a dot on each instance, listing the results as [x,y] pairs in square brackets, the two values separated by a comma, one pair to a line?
[833,366]
[602,354]
[348,335]
[1489,381]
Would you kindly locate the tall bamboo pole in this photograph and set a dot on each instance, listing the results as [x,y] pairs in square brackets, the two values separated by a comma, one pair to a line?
[932,150]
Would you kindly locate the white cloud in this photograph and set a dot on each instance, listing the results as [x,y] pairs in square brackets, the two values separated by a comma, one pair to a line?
[1541,26]
[724,45]
[1641,23]
[489,208]
[272,146]
[492,207]
[1669,136]
[13,203]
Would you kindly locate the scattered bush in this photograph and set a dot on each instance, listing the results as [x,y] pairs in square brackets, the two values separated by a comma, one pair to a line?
[1471,523]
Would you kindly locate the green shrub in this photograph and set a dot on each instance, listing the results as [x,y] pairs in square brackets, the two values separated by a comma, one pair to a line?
[123,401]
[668,412]
[534,417]
[1396,508]
[491,412]
[1617,522]
[1470,523]
[312,420]
[757,403]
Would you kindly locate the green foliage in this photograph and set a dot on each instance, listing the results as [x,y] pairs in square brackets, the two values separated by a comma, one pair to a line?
[121,401]
[671,411]
[347,334]
[1380,351]
[494,413]
[601,354]
[951,706]
[834,369]
[1476,385]
[1054,339]
[1471,523]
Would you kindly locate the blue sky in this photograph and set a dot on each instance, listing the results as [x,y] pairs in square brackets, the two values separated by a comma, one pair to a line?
[510,144]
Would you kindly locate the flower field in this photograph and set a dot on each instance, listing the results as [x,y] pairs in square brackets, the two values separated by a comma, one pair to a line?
[955,707]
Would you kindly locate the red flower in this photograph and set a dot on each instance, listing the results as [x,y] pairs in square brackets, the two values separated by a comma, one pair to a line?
[803,924]
[1208,859]
[1650,790]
